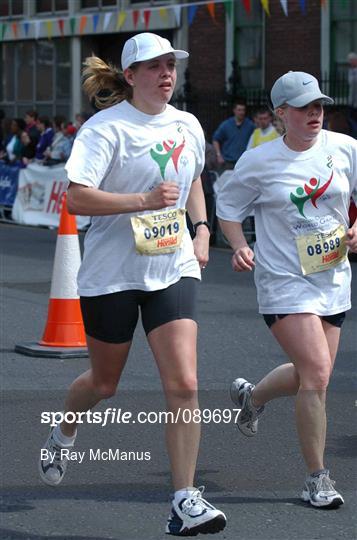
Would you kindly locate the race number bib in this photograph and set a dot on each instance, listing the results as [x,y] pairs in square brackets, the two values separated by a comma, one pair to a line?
[321,251]
[160,232]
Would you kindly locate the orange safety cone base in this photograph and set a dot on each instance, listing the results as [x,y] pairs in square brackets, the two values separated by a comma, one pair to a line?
[39,351]
[64,326]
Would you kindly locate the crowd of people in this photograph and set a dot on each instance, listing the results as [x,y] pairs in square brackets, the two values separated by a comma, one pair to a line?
[37,138]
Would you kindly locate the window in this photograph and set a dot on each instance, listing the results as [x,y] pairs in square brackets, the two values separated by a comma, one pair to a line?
[44,75]
[51,6]
[343,34]
[25,54]
[98,4]
[11,8]
[248,44]
[35,75]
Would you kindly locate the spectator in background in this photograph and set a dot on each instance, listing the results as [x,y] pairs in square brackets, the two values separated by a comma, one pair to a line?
[31,126]
[2,116]
[57,152]
[265,131]
[29,148]
[352,80]
[69,132]
[81,118]
[231,137]
[14,147]
[44,126]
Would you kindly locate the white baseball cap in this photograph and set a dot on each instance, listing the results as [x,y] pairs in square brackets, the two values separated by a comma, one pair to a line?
[297,89]
[146,46]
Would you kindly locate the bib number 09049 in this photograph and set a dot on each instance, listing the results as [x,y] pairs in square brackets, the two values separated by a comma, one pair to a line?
[155,232]
[317,249]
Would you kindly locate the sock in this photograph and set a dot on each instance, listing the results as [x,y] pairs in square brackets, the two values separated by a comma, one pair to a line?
[317,473]
[62,439]
[184,493]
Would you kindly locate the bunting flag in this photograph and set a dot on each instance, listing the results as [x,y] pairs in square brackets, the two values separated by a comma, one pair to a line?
[302,6]
[3,30]
[106,23]
[265,4]
[72,23]
[177,13]
[49,27]
[61,26]
[144,16]
[121,19]
[191,14]
[164,14]
[26,28]
[284,5]
[37,29]
[228,8]
[147,15]
[247,6]
[136,14]
[82,24]
[95,20]
[212,10]
[14,29]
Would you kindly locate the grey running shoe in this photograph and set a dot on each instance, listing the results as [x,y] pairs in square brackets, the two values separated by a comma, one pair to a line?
[319,491]
[247,421]
[53,461]
[194,515]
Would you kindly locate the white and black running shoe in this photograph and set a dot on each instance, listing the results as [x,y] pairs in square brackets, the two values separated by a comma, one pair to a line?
[54,463]
[247,421]
[320,492]
[194,515]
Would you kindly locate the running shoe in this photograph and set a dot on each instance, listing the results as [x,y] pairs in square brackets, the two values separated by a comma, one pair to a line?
[194,515]
[54,463]
[319,491]
[241,395]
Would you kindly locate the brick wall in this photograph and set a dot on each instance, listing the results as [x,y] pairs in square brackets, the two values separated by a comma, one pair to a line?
[293,42]
[207,47]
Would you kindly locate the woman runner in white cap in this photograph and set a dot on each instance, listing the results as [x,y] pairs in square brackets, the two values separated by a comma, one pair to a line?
[299,186]
[135,167]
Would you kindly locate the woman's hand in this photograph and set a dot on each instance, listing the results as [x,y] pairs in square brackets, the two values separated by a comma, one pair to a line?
[242,260]
[351,241]
[201,246]
[165,194]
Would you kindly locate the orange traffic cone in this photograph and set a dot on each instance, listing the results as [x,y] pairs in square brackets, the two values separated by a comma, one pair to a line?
[64,335]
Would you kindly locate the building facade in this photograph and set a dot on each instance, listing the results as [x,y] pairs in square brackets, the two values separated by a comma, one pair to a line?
[235,46]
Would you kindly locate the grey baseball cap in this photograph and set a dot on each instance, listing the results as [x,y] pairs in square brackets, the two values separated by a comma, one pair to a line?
[147,46]
[297,89]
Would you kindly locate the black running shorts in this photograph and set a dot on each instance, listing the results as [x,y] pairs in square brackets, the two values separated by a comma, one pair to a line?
[113,317]
[335,320]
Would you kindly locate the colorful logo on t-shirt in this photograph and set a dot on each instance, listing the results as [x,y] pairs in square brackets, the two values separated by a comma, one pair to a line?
[163,152]
[313,192]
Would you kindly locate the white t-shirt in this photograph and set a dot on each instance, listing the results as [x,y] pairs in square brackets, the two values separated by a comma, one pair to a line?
[276,182]
[123,150]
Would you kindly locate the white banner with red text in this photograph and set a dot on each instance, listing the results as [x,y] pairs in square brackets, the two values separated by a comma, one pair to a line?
[39,196]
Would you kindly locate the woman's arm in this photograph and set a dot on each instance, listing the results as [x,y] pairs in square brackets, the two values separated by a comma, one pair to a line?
[243,256]
[88,201]
[351,241]
[196,207]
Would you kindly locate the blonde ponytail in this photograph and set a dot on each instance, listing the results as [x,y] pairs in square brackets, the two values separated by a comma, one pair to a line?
[103,83]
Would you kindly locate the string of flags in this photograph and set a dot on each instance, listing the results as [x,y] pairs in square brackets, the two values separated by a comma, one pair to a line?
[140,18]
